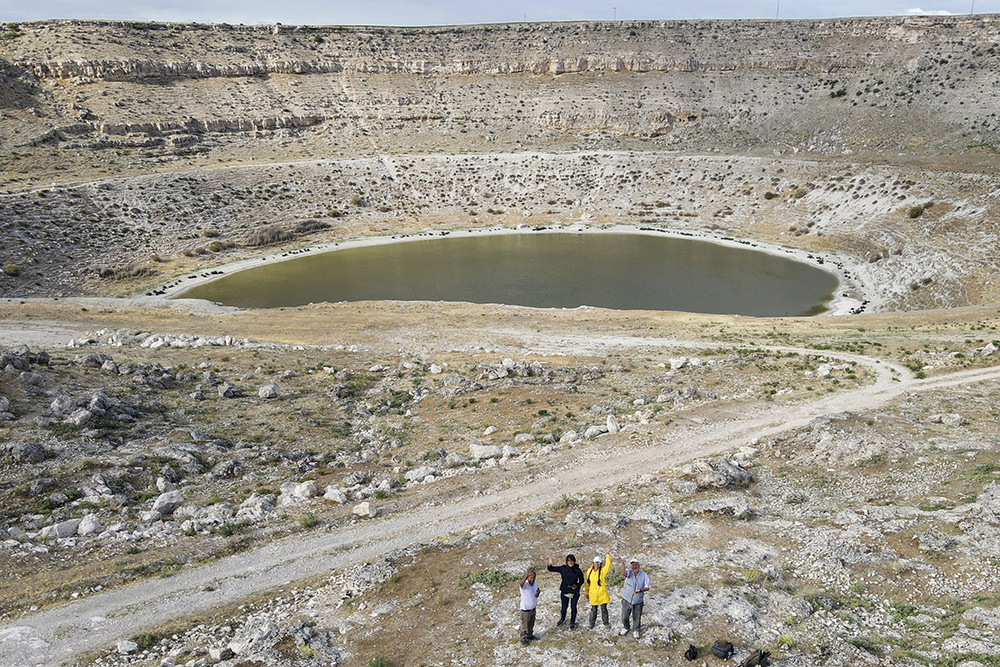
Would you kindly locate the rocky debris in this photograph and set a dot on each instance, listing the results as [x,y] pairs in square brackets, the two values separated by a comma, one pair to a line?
[717,473]
[735,506]
[656,515]
[360,579]
[259,632]
[256,507]
[293,493]
[25,452]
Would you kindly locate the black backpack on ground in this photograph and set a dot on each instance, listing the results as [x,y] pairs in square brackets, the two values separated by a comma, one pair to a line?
[757,659]
[722,649]
[691,653]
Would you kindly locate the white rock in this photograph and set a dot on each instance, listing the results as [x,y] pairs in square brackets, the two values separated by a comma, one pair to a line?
[420,474]
[522,438]
[306,490]
[167,502]
[364,510]
[612,424]
[509,452]
[80,417]
[334,493]
[569,437]
[269,391]
[62,529]
[436,370]
[482,452]
[89,525]
[255,634]
[126,646]
[490,430]
[63,406]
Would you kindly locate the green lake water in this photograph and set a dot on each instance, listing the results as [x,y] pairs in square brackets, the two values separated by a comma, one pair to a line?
[545,270]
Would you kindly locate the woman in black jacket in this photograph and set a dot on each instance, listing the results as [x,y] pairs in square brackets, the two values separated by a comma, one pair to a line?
[569,589]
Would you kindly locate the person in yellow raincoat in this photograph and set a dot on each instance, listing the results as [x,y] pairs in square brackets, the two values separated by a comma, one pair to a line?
[595,585]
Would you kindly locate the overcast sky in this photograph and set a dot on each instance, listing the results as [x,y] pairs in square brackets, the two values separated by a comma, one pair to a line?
[451,12]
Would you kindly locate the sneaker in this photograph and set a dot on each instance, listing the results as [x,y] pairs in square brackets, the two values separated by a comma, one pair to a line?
[623,632]
[572,626]
[532,637]
[636,633]
[590,627]
[561,621]
[524,641]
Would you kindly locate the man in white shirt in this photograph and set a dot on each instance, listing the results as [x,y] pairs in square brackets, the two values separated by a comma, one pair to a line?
[633,593]
[529,602]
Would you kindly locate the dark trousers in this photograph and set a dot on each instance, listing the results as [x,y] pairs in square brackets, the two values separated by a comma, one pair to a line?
[527,623]
[604,614]
[562,609]
[633,610]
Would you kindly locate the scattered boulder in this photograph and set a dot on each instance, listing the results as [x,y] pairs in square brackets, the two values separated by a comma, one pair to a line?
[26,452]
[62,529]
[258,634]
[364,510]
[481,452]
[269,391]
[167,502]
[612,424]
[127,646]
[420,474]
[89,525]
[255,508]
[335,493]
[229,390]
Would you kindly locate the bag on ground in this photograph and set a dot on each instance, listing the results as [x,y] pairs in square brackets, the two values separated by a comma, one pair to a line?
[722,649]
[757,659]
[691,653]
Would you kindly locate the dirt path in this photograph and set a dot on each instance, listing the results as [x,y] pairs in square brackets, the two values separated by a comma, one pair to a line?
[58,635]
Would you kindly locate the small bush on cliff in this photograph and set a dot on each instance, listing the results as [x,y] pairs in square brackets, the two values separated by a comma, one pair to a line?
[12,270]
[270,235]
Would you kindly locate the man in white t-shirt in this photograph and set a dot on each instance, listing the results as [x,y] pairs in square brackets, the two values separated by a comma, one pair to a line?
[633,594]
[529,602]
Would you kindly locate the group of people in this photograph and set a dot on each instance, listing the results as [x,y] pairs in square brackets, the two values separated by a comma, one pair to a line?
[595,587]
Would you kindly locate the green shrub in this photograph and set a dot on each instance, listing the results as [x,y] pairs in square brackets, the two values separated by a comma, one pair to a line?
[492,577]
[915,212]
[12,269]
[770,195]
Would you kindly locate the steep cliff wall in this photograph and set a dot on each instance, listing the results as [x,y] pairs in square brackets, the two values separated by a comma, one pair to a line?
[832,86]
